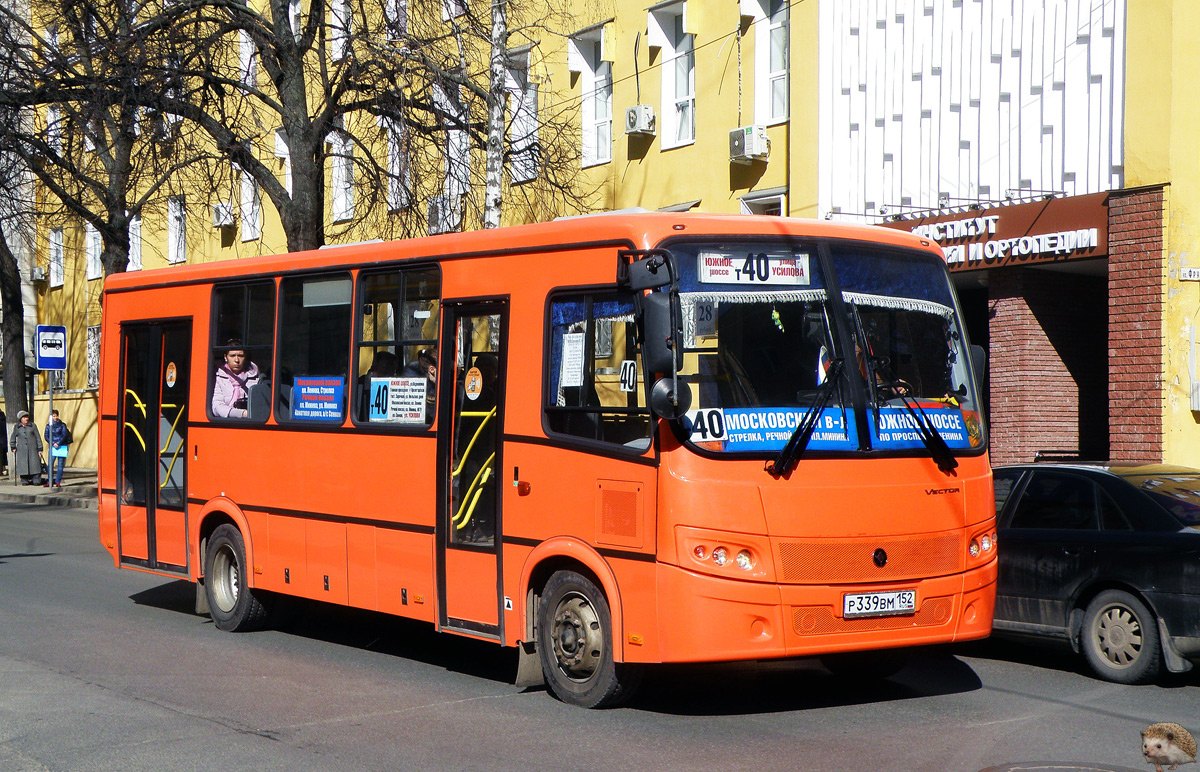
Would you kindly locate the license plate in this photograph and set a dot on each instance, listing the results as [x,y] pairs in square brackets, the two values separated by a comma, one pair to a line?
[879,604]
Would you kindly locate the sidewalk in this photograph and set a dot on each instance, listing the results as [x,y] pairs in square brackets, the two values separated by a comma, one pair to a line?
[78,491]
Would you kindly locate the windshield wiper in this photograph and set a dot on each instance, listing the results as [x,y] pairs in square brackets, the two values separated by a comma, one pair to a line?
[942,455]
[796,444]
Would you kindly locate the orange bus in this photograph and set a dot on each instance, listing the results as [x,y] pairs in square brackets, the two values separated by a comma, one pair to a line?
[608,441]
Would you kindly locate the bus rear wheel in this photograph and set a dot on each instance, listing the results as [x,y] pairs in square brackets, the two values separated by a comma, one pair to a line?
[575,644]
[234,607]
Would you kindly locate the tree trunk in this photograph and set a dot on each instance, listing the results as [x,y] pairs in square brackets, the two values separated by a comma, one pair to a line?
[12,331]
[492,197]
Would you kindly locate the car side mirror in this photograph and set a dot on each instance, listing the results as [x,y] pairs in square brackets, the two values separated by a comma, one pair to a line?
[662,320]
[979,364]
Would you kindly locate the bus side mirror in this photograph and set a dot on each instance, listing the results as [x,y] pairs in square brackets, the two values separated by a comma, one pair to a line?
[663,352]
[649,273]
[979,364]
[665,403]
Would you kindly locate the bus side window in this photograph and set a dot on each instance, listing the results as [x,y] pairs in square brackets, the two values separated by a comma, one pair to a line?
[242,344]
[596,383]
[314,347]
[397,341]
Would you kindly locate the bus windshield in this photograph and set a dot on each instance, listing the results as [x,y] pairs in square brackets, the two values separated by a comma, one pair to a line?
[763,337]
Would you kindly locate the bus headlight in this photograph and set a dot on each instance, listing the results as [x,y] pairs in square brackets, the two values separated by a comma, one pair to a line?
[745,560]
[720,556]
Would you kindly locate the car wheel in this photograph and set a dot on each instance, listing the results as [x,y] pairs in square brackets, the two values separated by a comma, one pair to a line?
[234,607]
[1120,639]
[574,642]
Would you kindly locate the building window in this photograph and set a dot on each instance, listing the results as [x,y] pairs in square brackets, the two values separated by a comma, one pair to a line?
[54,123]
[678,73]
[342,177]
[314,347]
[340,16]
[770,60]
[452,9]
[135,244]
[295,19]
[769,203]
[457,147]
[176,229]
[396,18]
[247,59]
[284,154]
[586,56]
[93,357]
[523,127]
[250,210]
[93,245]
[56,257]
[399,174]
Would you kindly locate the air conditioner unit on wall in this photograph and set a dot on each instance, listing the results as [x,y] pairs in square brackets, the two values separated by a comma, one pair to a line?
[222,215]
[639,119]
[38,273]
[748,144]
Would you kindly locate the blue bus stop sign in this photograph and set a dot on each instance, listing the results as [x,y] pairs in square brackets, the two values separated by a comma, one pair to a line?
[50,346]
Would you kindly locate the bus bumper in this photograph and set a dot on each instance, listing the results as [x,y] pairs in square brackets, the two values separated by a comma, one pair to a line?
[707,618]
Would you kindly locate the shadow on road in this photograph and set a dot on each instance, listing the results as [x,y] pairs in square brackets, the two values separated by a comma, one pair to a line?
[14,555]
[693,690]
[1055,656]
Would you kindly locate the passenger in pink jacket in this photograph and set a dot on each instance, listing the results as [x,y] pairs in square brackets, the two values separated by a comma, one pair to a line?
[231,391]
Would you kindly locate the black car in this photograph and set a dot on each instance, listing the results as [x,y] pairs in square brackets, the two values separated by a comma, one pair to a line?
[1106,558]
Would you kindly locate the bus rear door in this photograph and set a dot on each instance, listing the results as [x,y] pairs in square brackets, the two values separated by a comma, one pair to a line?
[470,377]
[152,500]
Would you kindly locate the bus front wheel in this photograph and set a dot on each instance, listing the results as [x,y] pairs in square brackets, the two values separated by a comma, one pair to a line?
[233,605]
[575,644]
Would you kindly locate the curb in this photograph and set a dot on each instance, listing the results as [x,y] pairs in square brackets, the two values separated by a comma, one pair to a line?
[52,500]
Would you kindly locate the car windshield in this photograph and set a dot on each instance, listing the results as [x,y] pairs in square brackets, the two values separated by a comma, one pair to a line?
[1179,494]
[762,342]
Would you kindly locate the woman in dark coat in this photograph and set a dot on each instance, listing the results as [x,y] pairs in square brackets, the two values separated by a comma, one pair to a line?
[27,446]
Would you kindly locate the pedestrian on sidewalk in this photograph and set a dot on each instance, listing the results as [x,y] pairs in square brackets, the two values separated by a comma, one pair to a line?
[27,447]
[4,444]
[58,437]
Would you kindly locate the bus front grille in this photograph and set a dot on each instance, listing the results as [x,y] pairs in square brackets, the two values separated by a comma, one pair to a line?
[820,620]
[851,561]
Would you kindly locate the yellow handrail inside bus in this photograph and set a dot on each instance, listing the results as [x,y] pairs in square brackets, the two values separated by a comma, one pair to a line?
[473,493]
[136,433]
[175,455]
[486,416]
[137,401]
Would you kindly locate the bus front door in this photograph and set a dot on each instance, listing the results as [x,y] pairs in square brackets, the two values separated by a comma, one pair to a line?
[152,457]
[471,380]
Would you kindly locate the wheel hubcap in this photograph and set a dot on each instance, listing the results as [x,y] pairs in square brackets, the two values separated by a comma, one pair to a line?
[1119,635]
[225,579]
[578,638]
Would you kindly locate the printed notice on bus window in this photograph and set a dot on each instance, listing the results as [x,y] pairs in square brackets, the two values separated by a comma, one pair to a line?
[317,398]
[572,361]
[766,268]
[397,400]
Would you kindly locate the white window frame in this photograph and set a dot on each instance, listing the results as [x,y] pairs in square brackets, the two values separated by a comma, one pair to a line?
[250,209]
[765,202]
[135,244]
[247,59]
[93,246]
[667,27]
[54,133]
[340,21]
[767,27]
[295,19]
[452,9]
[523,124]
[284,154]
[457,147]
[399,181]
[176,229]
[586,56]
[56,252]
[341,178]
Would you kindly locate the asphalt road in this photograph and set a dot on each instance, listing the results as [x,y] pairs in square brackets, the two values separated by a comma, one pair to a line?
[103,669]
